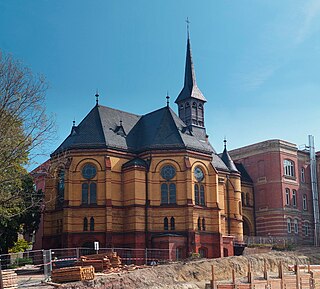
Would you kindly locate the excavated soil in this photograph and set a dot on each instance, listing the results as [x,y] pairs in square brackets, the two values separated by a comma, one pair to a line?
[195,274]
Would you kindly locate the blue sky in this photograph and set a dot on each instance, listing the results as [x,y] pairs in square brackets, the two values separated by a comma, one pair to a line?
[257,61]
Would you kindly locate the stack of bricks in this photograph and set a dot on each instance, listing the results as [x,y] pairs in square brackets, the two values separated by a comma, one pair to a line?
[8,279]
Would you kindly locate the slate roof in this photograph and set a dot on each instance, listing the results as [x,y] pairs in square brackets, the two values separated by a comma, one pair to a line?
[106,127]
[228,161]
[244,174]
[190,88]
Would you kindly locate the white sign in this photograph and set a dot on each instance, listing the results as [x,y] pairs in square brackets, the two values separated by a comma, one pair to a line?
[96,245]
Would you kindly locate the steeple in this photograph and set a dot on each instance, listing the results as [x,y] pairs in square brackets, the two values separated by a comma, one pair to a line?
[191,100]
[227,159]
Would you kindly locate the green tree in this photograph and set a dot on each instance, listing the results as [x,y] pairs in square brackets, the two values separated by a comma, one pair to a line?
[24,130]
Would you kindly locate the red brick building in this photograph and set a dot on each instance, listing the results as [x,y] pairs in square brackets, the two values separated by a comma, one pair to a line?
[282,188]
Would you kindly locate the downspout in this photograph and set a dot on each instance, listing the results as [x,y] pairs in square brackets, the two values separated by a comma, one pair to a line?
[228,205]
[147,206]
[314,188]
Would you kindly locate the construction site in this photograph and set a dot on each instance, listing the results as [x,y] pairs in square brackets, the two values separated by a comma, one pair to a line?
[273,270]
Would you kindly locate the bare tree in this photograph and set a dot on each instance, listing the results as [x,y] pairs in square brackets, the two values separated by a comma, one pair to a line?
[24,127]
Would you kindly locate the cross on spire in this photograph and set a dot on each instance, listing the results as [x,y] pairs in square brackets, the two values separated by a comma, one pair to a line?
[168,98]
[225,142]
[97,97]
[188,22]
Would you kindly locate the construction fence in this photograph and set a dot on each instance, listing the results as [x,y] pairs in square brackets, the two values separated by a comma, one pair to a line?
[39,263]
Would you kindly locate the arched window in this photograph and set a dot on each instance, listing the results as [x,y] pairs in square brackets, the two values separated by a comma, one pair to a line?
[91,224]
[165,224]
[304,202]
[287,197]
[303,176]
[248,199]
[172,193]
[294,198]
[93,193]
[194,105]
[181,106]
[202,201]
[288,168]
[60,193]
[196,194]
[164,193]
[172,224]
[199,191]
[85,195]
[89,187]
[168,189]
[85,224]
[203,224]
[289,225]
[306,229]
[199,224]
[296,226]
[187,104]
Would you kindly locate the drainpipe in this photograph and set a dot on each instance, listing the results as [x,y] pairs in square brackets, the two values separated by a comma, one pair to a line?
[147,205]
[314,188]
[228,205]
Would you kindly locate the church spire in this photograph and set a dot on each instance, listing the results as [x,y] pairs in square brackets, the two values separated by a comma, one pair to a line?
[190,100]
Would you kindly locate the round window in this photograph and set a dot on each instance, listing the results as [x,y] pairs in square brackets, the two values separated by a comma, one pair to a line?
[168,172]
[198,173]
[89,171]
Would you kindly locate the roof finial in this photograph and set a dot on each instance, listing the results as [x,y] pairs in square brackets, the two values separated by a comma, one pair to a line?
[73,122]
[188,22]
[97,97]
[168,98]
[225,143]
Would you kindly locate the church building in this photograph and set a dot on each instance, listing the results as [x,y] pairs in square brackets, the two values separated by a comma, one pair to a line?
[146,181]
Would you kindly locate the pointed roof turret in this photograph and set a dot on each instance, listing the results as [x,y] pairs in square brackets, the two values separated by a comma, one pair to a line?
[227,159]
[190,88]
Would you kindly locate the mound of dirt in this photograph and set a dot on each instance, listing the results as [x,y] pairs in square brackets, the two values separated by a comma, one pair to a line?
[191,274]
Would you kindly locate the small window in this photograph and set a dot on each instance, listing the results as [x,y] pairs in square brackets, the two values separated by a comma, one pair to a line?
[294,198]
[203,224]
[91,224]
[306,229]
[199,224]
[289,225]
[172,224]
[296,226]
[287,197]
[165,224]
[181,106]
[85,224]
[187,104]
[303,177]
[288,168]
[200,106]
[304,202]
[194,105]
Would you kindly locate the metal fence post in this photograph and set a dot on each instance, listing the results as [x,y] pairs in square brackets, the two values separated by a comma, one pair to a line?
[78,253]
